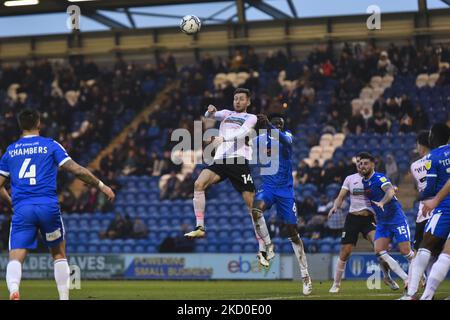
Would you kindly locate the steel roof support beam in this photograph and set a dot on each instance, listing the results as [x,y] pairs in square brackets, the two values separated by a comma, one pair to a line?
[130,18]
[292,7]
[268,9]
[107,21]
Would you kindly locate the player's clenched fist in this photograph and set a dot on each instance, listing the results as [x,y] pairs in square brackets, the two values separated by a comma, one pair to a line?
[211,108]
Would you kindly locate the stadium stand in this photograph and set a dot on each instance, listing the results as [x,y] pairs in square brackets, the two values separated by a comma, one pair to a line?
[364,99]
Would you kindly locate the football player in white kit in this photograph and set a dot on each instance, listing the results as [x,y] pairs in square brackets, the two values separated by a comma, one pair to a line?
[360,219]
[419,172]
[231,162]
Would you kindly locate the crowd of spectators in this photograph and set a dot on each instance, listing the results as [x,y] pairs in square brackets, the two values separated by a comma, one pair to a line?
[336,173]
[125,228]
[79,102]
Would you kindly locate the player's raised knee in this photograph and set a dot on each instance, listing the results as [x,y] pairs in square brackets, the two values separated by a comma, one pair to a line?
[199,185]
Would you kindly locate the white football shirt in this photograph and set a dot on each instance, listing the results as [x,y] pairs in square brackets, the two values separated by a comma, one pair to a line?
[234,127]
[358,201]
[419,173]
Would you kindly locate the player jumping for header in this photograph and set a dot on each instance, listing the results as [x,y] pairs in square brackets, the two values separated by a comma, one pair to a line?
[278,188]
[231,162]
[31,163]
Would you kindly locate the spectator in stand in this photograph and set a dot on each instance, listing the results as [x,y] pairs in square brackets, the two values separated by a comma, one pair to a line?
[251,60]
[328,174]
[314,173]
[385,66]
[307,208]
[335,120]
[379,165]
[184,189]
[356,124]
[420,119]
[91,203]
[116,228]
[130,165]
[324,205]
[140,230]
[274,227]
[308,92]
[335,223]
[327,68]
[406,123]
[379,123]
[236,61]
[392,169]
[393,108]
[177,244]
[302,172]
[68,201]
[168,185]
[341,172]
[301,225]
[315,227]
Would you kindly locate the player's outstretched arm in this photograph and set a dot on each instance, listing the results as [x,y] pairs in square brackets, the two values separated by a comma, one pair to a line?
[86,176]
[244,131]
[389,193]
[284,137]
[211,111]
[431,204]
[338,201]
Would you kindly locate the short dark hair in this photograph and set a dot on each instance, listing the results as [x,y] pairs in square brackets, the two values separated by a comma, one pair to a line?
[28,119]
[423,138]
[366,155]
[242,90]
[439,135]
[276,115]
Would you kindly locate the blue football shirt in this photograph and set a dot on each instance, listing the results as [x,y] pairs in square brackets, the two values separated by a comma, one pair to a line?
[438,172]
[393,212]
[32,164]
[279,152]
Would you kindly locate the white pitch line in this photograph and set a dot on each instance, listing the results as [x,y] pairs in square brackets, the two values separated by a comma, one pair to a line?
[337,296]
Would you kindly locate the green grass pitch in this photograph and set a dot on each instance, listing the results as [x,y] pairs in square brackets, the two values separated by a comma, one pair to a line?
[205,290]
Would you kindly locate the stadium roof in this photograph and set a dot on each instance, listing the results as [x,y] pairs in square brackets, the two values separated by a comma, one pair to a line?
[49,16]
[51,6]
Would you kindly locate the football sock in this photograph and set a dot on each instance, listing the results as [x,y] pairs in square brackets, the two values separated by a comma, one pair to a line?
[384,267]
[419,265]
[62,275]
[13,275]
[261,227]
[340,268]
[261,244]
[394,265]
[301,256]
[437,275]
[199,208]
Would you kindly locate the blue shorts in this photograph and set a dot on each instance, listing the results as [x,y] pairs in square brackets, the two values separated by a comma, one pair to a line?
[286,208]
[439,224]
[399,232]
[27,220]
